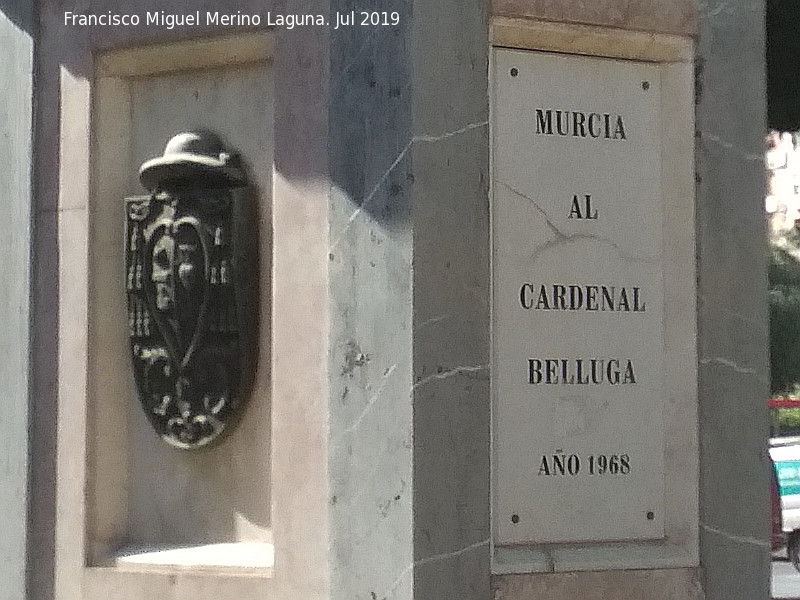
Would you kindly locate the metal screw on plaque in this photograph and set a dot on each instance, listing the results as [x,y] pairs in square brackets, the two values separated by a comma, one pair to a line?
[515,519]
[645,85]
[514,72]
[650,515]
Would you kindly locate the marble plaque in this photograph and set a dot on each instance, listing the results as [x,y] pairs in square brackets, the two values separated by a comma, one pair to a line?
[578,327]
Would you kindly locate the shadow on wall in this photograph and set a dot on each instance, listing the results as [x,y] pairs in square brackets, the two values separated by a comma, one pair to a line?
[370,130]
[21,13]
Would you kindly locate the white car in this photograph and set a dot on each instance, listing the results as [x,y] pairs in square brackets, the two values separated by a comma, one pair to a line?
[785,454]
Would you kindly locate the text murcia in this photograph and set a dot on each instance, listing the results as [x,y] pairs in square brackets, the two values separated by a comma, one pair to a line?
[580,124]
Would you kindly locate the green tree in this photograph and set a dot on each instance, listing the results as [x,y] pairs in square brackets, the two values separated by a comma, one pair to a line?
[784,313]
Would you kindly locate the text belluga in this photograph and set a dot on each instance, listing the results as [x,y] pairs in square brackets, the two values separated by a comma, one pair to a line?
[581,371]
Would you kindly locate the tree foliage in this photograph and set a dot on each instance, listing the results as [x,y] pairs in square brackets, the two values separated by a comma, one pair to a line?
[784,313]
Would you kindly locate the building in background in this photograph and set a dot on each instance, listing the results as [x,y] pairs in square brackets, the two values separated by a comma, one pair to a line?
[783,178]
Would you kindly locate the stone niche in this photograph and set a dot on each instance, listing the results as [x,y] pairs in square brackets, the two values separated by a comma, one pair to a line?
[152,509]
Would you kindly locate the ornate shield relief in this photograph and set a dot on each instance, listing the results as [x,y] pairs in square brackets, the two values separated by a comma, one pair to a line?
[183,279]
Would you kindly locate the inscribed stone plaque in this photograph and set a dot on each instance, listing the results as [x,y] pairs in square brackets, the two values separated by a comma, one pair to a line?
[578,340]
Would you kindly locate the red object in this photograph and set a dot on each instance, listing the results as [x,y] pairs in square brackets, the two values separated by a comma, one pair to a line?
[783,402]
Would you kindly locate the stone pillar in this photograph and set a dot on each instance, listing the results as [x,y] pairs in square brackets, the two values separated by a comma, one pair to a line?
[450,213]
[17,35]
[733,321]
[380,301]
[382,332]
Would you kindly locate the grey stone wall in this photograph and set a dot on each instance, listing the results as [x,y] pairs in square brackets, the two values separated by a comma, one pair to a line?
[409,274]
[16,112]
[450,211]
[370,285]
[732,304]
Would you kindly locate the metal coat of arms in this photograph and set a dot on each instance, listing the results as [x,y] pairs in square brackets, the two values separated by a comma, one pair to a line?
[183,279]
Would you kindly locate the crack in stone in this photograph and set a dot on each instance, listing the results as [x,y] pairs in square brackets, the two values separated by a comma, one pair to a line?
[577,237]
[729,146]
[449,134]
[558,233]
[450,373]
[726,7]
[396,583]
[372,400]
[740,539]
[365,480]
[424,561]
[453,554]
[735,367]
[730,364]
[432,321]
[419,138]
[723,7]
[356,56]
[371,194]
[562,238]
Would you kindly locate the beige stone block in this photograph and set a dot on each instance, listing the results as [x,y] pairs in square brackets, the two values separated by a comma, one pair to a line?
[300,380]
[668,584]
[71,429]
[591,40]
[657,16]
[75,126]
[102,583]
